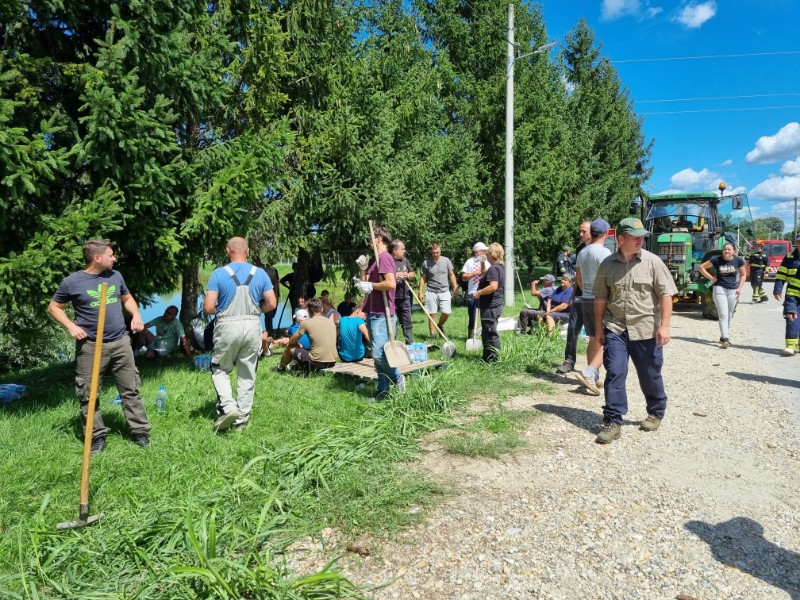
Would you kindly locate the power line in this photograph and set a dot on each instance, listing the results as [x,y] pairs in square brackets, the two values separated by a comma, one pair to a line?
[719,98]
[710,110]
[633,60]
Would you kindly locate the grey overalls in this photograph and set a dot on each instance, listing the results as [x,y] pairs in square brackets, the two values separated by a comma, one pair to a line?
[237,339]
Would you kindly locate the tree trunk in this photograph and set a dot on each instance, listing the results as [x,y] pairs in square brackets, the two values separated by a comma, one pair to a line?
[190,289]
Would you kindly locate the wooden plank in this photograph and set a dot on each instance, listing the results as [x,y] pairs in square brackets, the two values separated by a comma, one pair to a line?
[365,369]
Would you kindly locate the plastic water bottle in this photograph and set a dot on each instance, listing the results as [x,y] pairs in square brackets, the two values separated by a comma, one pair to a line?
[161,399]
[423,352]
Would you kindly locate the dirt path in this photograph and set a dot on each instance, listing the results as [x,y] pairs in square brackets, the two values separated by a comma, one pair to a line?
[706,507]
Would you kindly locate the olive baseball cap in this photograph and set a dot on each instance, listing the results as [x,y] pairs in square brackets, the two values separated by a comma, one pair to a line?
[632,226]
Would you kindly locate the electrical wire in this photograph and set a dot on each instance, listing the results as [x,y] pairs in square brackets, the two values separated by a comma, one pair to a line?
[719,98]
[635,60]
[710,110]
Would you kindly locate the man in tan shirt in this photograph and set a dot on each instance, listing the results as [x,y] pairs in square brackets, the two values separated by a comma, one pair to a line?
[633,300]
[322,334]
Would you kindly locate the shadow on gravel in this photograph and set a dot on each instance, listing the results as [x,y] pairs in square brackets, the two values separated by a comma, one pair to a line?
[584,419]
[761,349]
[740,543]
[791,383]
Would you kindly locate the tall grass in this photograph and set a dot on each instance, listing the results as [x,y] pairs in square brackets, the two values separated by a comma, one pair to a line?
[199,515]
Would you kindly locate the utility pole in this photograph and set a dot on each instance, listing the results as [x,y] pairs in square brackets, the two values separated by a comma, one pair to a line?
[509,204]
[795,218]
[511,46]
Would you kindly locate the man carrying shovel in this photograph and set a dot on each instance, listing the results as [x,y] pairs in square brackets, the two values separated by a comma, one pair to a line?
[380,277]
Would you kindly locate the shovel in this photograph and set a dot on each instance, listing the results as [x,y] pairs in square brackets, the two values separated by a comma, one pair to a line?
[84,518]
[449,348]
[394,350]
[473,343]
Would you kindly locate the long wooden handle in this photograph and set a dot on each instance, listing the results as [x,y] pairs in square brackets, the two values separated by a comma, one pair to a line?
[425,310]
[385,299]
[475,327]
[87,436]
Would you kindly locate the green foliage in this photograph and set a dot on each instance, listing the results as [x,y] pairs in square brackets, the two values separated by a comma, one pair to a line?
[769,228]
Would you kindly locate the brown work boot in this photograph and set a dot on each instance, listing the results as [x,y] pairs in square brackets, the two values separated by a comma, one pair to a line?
[651,423]
[609,432]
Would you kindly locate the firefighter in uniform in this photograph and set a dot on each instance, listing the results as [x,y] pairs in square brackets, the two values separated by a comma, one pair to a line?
[758,262]
[789,273]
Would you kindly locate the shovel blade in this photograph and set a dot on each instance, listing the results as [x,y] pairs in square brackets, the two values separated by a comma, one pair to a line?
[396,354]
[474,345]
[80,522]
[449,350]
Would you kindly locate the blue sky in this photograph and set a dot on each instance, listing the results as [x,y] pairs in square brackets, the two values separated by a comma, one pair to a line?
[715,124]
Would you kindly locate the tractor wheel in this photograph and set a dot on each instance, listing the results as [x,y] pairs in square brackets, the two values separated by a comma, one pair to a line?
[709,308]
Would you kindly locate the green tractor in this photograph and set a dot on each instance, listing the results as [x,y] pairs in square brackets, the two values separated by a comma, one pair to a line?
[688,229]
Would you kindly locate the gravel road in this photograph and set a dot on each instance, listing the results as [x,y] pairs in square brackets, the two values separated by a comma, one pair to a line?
[706,507]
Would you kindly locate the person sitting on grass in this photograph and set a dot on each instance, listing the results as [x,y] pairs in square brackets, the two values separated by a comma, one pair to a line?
[558,304]
[322,333]
[268,343]
[346,306]
[352,333]
[169,336]
[531,316]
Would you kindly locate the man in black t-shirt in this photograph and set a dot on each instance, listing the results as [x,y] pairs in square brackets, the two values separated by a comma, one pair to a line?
[82,290]
[402,295]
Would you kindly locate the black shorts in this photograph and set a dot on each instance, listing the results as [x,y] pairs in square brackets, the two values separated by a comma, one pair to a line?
[587,310]
[302,356]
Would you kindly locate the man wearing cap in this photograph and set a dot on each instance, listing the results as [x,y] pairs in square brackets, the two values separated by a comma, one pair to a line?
[471,273]
[436,272]
[559,304]
[588,263]
[564,262]
[789,273]
[633,293]
[529,316]
[758,262]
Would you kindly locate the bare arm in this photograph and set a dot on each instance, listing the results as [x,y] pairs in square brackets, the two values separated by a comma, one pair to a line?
[364,331]
[56,310]
[599,312]
[454,283]
[269,302]
[742,279]
[662,333]
[294,341]
[133,309]
[704,271]
[489,289]
[387,283]
[210,302]
[578,278]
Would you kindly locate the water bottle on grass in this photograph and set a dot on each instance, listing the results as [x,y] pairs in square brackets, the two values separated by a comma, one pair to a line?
[161,399]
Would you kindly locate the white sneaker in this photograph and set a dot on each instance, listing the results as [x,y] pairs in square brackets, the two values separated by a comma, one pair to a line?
[591,386]
[789,351]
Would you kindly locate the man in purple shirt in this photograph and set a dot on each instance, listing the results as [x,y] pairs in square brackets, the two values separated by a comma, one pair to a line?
[379,278]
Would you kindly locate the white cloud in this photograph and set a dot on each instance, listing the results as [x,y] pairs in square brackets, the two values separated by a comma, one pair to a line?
[726,163]
[616,9]
[791,167]
[694,15]
[690,180]
[772,148]
[777,188]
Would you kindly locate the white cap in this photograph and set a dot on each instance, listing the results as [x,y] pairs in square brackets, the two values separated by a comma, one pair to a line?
[301,314]
[480,246]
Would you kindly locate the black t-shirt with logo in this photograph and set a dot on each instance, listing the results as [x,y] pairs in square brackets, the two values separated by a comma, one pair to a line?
[82,289]
[727,271]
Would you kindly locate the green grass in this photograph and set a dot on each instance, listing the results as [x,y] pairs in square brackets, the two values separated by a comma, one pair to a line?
[199,515]
[491,435]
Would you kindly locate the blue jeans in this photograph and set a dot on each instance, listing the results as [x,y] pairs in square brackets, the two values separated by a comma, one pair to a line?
[648,358]
[379,335]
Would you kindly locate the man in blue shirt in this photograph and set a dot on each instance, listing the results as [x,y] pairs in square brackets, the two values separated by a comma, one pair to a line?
[558,304]
[237,293]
